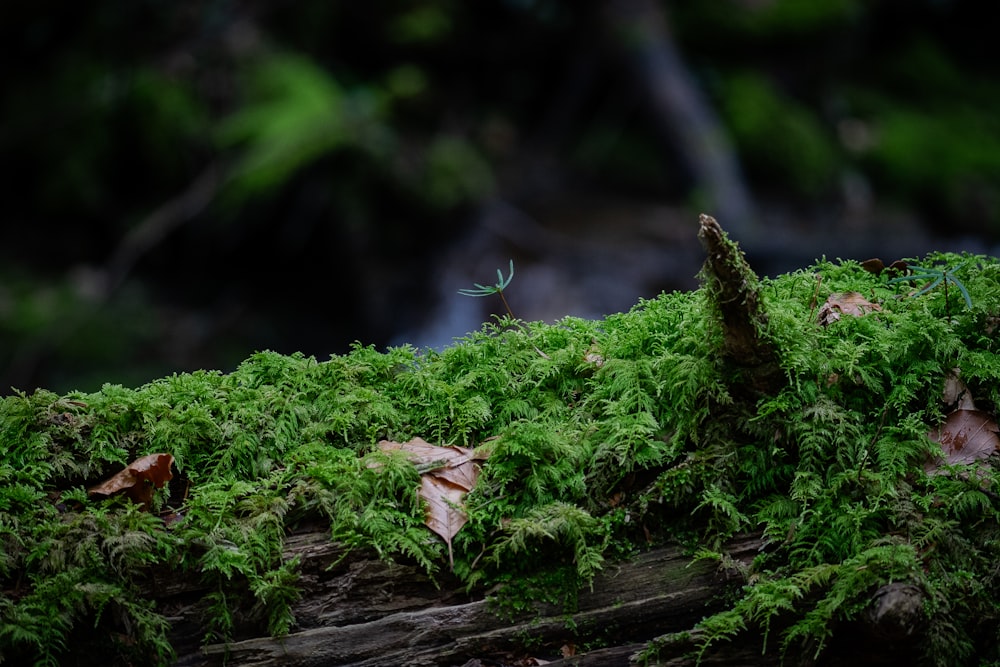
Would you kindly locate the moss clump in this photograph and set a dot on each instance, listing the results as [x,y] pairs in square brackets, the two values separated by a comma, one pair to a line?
[623,430]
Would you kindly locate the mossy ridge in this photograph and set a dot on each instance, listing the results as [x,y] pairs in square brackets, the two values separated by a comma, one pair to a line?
[623,427]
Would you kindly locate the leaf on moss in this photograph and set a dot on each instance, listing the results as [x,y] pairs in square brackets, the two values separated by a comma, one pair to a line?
[876,266]
[593,355]
[966,436]
[446,475]
[955,394]
[138,480]
[845,303]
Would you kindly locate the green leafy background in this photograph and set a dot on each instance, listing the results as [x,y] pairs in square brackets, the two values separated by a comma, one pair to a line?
[344,148]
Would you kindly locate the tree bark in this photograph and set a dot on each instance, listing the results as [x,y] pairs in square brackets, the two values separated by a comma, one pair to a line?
[734,291]
[364,611]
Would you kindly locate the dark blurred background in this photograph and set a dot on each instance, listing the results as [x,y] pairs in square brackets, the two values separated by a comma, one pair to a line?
[188,182]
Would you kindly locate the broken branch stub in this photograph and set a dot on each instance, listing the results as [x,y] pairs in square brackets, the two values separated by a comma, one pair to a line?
[733,289]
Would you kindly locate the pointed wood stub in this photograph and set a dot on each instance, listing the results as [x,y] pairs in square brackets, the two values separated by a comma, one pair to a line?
[733,289]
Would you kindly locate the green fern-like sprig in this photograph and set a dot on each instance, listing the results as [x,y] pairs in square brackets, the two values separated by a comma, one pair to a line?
[498,288]
[935,276]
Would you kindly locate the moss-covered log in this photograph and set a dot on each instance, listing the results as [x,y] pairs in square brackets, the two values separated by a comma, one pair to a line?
[363,611]
[733,289]
[808,411]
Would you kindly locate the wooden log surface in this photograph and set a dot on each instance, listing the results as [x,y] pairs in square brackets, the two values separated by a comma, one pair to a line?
[361,610]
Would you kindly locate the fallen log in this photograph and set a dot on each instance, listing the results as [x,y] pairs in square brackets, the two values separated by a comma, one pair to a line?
[361,610]
[290,535]
[366,611]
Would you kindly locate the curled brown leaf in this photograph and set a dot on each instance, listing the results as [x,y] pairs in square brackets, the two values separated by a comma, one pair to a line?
[845,303]
[448,474]
[138,480]
[966,436]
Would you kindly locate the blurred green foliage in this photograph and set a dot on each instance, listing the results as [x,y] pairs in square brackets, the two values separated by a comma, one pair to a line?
[35,314]
[936,140]
[294,113]
[357,136]
[751,22]
[782,140]
[798,82]
[947,159]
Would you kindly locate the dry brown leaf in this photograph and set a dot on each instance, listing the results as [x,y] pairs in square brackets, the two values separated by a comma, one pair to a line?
[876,266]
[458,475]
[451,473]
[955,394]
[593,355]
[444,514]
[138,480]
[873,265]
[421,452]
[966,436]
[845,303]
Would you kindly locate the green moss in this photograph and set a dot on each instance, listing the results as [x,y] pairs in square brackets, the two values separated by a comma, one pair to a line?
[623,426]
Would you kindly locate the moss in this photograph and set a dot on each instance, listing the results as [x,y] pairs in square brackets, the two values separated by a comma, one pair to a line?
[625,429]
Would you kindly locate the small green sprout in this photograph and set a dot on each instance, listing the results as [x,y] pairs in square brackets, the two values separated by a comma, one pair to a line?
[487,290]
[936,276]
